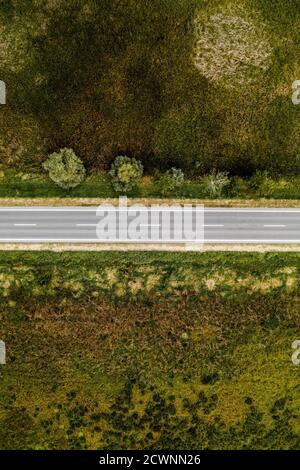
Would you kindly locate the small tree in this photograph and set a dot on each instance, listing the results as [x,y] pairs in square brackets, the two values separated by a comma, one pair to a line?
[65,168]
[214,184]
[171,180]
[125,173]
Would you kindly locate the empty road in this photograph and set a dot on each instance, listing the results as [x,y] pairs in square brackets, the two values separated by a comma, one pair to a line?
[78,224]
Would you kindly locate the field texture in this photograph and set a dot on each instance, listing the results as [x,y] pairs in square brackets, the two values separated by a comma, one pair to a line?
[195,84]
[137,350]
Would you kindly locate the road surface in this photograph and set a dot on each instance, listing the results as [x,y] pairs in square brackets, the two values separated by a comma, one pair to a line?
[78,224]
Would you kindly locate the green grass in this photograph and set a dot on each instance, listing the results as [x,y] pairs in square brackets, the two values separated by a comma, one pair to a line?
[137,90]
[32,184]
[140,350]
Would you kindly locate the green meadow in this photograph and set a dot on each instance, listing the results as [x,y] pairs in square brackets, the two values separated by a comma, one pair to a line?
[149,350]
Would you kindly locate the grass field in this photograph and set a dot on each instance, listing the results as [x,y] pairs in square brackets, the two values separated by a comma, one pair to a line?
[139,350]
[154,86]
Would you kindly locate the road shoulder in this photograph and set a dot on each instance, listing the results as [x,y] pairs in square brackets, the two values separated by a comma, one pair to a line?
[60,247]
[86,202]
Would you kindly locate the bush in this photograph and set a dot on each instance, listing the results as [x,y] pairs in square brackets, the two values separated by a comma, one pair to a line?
[171,180]
[266,186]
[214,184]
[258,179]
[263,184]
[125,173]
[239,188]
[65,168]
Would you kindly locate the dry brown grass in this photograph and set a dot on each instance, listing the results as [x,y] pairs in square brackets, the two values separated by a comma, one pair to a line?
[60,247]
[58,202]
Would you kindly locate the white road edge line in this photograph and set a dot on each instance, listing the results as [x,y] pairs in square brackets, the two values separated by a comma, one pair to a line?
[275,225]
[94,209]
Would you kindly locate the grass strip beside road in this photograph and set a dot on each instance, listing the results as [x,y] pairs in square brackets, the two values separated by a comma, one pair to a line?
[86,202]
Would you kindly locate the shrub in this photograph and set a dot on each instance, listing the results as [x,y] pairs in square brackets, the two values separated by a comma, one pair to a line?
[65,168]
[266,186]
[240,188]
[214,184]
[125,173]
[258,178]
[171,180]
[263,184]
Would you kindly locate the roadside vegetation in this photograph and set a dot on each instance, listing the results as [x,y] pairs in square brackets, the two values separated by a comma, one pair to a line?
[171,184]
[140,350]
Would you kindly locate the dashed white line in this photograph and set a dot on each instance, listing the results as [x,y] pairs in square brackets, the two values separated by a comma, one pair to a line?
[216,225]
[25,225]
[86,225]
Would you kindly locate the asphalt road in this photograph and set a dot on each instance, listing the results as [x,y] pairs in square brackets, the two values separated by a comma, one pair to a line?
[78,224]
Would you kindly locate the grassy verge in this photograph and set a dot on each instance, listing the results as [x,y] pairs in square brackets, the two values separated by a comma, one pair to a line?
[23,185]
[140,350]
[72,201]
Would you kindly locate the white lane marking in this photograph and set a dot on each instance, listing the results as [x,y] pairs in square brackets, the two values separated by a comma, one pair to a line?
[86,225]
[274,225]
[96,240]
[258,211]
[216,225]
[149,225]
[257,241]
[94,209]
[162,242]
[25,225]
[47,209]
